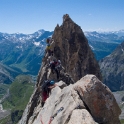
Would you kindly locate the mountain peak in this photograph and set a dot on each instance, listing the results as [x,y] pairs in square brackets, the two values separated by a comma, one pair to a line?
[66,17]
[71,47]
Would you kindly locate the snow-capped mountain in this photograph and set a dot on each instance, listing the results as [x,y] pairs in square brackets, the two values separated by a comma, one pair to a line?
[103,43]
[119,33]
[19,37]
[21,51]
[109,37]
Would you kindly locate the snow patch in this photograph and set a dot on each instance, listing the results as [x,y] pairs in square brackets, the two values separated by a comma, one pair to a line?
[92,47]
[43,39]
[50,36]
[20,38]
[36,43]
[18,46]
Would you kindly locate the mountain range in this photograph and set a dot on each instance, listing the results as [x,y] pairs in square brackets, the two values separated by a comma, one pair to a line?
[103,43]
[23,53]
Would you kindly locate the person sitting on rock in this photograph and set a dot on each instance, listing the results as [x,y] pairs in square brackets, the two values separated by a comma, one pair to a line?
[46,90]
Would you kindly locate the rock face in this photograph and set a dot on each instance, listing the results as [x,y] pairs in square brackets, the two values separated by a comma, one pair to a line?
[71,47]
[87,101]
[88,97]
[112,68]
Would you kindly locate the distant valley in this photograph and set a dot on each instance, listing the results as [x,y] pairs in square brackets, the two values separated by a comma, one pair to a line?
[7,74]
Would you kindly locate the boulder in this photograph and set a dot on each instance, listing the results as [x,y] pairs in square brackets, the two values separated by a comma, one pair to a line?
[99,100]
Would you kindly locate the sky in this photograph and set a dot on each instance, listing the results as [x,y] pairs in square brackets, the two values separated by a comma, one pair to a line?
[28,16]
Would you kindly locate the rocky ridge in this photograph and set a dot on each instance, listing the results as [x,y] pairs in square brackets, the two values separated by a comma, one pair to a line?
[75,100]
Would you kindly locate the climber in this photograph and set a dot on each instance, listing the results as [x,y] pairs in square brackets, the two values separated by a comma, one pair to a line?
[46,89]
[50,59]
[48,40]
[50,46]
[48,49]
[53,65]
[58,66]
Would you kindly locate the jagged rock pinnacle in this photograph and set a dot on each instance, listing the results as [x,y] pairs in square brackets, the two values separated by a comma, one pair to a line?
[66,17]
[71,47]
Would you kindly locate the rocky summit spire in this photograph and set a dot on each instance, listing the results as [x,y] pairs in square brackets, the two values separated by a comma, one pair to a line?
[71,47]
[66,17]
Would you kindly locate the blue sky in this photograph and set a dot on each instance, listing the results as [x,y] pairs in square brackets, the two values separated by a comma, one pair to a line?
[28,16]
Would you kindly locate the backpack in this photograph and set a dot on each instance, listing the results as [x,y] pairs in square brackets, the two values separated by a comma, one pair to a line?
[48,48]
[52,64]
[45,86]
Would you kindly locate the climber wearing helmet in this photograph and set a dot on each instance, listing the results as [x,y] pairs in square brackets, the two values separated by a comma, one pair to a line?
[46,89]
